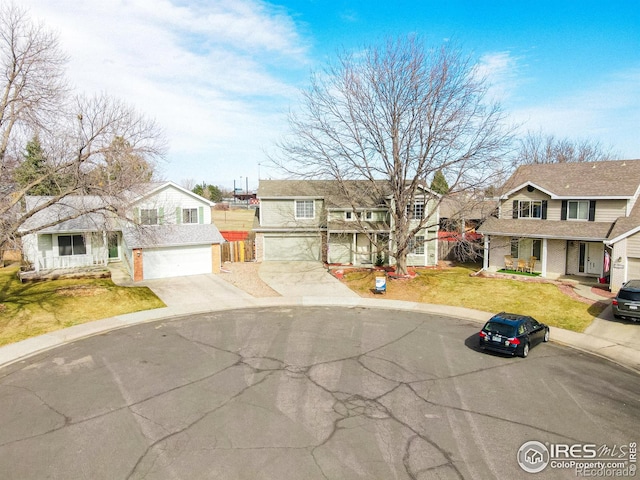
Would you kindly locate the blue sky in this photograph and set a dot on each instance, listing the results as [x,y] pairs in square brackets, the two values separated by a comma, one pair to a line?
[220,75]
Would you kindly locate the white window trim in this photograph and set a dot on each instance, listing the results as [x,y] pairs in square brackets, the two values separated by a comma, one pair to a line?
[150,210]
[190,215]
[530,202]
[578,202]
[313,210]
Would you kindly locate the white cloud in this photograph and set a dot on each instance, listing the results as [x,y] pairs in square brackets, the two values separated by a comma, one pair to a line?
[608,112]
[202,69]
[501,71]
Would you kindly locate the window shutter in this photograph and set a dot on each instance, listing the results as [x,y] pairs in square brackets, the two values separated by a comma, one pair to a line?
[160,216]
[136,215]
[592,210]
[515,209]
[544,210]
[200,214]
[178,215]
[563,212]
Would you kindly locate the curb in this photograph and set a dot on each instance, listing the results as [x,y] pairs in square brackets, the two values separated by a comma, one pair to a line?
[9,354]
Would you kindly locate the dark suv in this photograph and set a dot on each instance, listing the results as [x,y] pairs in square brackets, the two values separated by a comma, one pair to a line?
[627,302]
[512,334]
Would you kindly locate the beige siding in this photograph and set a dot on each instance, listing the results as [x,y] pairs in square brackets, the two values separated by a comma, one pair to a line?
[506,207]
[610,210]
[633,245]
[281,214]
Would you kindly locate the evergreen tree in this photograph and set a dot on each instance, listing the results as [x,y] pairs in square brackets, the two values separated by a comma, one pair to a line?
[439,183]
[35,171]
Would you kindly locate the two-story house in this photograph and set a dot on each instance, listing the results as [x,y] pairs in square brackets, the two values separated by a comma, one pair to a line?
[170,233]
[574,218]
[317,220]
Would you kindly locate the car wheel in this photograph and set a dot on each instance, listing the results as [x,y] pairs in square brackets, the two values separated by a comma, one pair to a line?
[525,350]
[546,335]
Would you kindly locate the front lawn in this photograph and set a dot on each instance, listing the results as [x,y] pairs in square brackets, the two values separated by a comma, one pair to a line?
[29,309]
[454,286]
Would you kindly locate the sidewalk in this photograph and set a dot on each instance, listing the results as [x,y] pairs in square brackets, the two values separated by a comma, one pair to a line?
[305,286]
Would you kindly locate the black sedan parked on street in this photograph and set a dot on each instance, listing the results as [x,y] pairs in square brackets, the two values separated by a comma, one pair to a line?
[512,334]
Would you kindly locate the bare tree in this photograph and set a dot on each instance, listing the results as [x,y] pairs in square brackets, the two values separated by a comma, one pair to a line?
[394,115]
[95,146]
[34,86]
[537,147]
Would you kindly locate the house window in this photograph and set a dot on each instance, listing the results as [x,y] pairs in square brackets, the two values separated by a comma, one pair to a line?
[304,209]
[348,215]
[368,215]
[417,211]
[189,215]
[416,245]
[577,210]
[71,245]
[530,209]
[526,247]
[148,216]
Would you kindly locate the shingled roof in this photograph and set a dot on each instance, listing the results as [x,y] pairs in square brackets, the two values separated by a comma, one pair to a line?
[610,179]
[329,190]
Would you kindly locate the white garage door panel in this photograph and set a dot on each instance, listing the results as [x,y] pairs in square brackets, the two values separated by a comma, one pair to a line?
[634,268]
[176,261]
[292,249]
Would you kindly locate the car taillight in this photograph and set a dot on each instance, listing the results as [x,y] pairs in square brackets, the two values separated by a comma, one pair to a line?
[514,341]
[482,334]
[614,302]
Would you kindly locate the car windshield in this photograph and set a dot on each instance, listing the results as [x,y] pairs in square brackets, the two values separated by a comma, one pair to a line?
[500,328]
[629,295]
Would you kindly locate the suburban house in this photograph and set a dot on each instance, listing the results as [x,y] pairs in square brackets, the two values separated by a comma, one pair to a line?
[574,218]
[314,220]
[170,234]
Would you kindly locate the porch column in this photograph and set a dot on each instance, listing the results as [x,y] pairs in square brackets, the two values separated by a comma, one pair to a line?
[485,259]
[105,243]
[354,246]
[543,260]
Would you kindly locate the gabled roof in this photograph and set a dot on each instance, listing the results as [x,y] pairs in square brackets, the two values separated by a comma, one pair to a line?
[171,235]
[97,220]
[335,194]
[584,180]
[150,189]
[508,227]
[626,226]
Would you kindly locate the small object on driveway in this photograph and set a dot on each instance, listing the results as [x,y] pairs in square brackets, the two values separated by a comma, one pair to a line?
[512,334]
[381,284]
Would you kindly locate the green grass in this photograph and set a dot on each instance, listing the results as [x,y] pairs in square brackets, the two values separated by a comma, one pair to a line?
[455,286]
[29,309]
[235,219]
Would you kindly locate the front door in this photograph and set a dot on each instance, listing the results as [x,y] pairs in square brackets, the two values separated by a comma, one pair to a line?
[114,253]
[594,260]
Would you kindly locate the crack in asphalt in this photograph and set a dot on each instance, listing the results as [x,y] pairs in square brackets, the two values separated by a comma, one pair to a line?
[345,405]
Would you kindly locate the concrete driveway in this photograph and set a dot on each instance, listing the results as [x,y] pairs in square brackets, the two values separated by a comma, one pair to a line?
[301,279]
[621,332]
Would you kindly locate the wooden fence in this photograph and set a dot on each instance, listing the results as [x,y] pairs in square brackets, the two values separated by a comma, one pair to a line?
[238,251]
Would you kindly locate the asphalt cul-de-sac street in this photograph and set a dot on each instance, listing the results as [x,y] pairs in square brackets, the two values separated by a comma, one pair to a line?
[302,393]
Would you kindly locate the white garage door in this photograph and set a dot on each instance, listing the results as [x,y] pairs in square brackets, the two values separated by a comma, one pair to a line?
[176,261]
[300,248]
[634,268]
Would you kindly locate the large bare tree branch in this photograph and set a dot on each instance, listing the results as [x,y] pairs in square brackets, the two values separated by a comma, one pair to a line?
[399,113]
